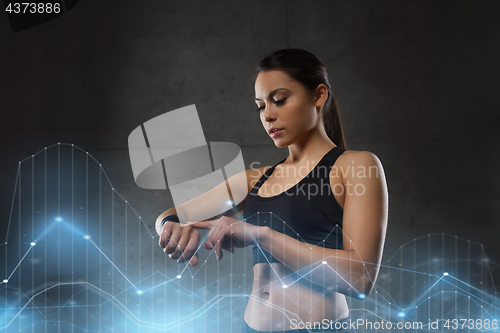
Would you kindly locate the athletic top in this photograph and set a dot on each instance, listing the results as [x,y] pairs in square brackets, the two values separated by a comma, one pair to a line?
[307,211]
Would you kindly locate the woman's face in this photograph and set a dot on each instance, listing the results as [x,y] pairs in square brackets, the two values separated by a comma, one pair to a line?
[287,106]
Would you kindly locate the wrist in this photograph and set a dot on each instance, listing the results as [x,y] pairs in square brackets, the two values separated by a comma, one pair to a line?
[160,220]
[170,218]
[263,235]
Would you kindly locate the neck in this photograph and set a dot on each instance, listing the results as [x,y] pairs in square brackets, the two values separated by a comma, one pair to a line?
[315,144]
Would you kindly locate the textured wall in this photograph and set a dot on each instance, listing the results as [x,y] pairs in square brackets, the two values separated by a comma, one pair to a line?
[417,83]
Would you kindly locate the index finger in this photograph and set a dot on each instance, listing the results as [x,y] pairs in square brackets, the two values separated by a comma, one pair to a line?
[203,224]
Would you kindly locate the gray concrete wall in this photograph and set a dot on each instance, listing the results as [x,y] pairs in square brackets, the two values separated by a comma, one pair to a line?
[417,83]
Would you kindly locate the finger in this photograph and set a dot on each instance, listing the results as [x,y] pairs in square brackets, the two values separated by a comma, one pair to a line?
[194,260]
[207,245]
[226,244]
[180,248]
[219,239]
[210,237]
[219,251]
[224,238]
[186,234]
[213,239]
[173,242]
[191,247]
[204,224]
[166,232]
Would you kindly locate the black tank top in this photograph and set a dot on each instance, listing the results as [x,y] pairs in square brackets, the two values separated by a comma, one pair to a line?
[307,211]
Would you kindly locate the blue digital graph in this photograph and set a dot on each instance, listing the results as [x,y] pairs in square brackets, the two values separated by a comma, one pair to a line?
[79,258]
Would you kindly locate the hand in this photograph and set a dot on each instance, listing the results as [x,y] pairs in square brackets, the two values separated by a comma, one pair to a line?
[227,233]
[180,242]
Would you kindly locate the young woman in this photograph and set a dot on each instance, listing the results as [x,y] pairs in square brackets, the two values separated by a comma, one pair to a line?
[316,220]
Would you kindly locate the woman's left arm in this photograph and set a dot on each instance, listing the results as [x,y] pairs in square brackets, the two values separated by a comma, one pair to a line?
[354,269]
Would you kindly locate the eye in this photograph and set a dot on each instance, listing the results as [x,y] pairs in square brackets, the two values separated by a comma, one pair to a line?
[280,101]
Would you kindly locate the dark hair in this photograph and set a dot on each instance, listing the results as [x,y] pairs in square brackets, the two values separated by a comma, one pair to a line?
[304,67]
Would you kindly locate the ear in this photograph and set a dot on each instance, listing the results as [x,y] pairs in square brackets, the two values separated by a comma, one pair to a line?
[321,95]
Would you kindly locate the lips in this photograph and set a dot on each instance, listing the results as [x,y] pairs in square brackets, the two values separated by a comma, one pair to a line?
[273,132]
[273,129]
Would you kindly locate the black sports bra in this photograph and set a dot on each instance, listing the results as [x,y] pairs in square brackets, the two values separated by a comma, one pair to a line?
[307,211]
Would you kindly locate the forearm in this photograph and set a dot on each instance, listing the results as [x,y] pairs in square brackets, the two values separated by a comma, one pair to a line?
[343,270]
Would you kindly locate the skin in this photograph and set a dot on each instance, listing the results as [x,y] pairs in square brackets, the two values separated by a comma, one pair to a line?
[285,103]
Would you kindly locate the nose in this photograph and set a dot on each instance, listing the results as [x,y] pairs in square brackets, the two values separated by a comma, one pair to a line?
[269,115]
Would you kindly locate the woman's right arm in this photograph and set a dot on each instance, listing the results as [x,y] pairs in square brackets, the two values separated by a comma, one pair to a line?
[180,241]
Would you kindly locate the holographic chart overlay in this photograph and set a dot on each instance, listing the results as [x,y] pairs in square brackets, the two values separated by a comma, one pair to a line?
[170,151]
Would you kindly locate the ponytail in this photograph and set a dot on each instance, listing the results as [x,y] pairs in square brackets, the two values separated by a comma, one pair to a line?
[331,119]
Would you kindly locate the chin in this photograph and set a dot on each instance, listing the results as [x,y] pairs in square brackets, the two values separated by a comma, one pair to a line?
[280,144]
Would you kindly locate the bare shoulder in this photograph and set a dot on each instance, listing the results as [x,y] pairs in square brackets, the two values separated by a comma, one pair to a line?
[358,163]
[359,157]
[253,175]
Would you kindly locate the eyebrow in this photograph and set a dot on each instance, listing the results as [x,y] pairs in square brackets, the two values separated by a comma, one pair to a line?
[272,93]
